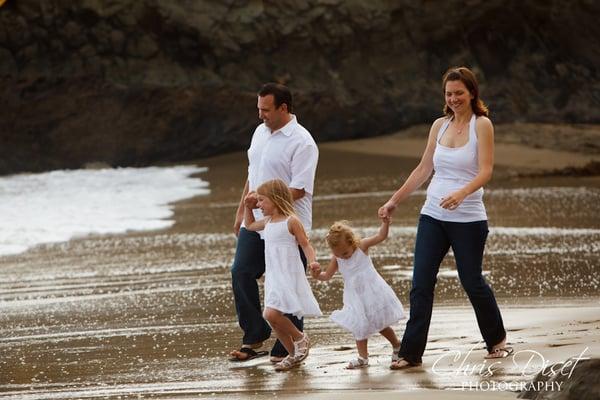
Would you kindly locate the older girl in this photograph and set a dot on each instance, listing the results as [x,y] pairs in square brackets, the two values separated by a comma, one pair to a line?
[287,290]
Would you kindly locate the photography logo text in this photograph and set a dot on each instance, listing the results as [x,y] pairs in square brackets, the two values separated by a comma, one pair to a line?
[487,375]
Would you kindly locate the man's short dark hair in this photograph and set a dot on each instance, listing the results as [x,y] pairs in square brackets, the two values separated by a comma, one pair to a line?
[281,94]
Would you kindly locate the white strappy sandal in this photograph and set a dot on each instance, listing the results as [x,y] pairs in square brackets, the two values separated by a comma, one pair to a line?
[286,364]
[358,363]
[395,356]
[301,348]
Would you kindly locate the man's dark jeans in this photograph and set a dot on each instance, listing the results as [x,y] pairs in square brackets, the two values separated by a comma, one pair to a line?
[434,238]
[248,266]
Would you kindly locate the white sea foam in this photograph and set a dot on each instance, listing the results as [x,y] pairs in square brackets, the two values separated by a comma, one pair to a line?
[59,205]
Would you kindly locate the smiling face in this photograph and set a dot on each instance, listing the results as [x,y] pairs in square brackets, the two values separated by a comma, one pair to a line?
[266,206]
[458,97]
[343,250]
[273,117]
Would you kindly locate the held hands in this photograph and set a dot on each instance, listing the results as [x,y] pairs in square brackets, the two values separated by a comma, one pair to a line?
[251,200]
[453,200]
[386,210]
[315,269]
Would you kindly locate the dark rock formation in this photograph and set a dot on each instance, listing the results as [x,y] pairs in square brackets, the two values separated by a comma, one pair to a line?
[134,82]
[582,384]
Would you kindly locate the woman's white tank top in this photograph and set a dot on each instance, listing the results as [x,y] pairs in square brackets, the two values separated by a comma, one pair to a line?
[454,167]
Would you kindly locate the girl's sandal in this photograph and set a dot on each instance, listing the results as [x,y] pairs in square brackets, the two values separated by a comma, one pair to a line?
[286,364]
[358,363]
[301,348]
[395,356]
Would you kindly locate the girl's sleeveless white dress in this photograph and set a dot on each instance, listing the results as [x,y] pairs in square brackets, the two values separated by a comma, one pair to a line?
[370,304]
[286,286]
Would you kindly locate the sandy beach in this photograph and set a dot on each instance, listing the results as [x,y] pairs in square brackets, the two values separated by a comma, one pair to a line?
[150,314]
[525,147]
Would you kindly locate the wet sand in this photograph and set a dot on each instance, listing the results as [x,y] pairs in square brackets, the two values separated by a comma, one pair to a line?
[151,314]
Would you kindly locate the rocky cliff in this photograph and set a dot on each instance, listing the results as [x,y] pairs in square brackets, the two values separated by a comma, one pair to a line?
[135,82]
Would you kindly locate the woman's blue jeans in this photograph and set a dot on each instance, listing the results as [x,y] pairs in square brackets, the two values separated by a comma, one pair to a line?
[434,239]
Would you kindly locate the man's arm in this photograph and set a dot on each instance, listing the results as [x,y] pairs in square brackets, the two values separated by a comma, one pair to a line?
[304,166]
[239,215]
[297,193]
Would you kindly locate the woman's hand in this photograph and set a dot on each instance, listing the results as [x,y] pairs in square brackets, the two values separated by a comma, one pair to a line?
[386,210]
[453,200]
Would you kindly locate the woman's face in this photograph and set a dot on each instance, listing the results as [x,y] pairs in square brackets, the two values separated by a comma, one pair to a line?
[458,97]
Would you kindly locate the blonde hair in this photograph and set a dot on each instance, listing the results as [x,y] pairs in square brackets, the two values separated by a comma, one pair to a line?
[341,232]
[277,191]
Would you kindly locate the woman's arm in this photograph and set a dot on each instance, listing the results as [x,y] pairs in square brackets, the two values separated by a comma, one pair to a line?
[418,176]
[381,235]
[485,149]
[326,275]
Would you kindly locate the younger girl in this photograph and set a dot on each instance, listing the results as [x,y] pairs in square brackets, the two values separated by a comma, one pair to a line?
[287,290]
[370,305]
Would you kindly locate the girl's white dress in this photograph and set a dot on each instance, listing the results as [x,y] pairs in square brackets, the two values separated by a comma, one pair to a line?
[370,304]
[286,286]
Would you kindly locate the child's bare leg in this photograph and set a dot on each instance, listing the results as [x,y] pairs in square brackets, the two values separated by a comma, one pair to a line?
[363,356]
[390,335]
[361,346]
[287,333]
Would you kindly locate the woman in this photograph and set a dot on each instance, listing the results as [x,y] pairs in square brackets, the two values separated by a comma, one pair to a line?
[460,150]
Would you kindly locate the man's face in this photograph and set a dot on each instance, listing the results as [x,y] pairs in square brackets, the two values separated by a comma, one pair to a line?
[273,117]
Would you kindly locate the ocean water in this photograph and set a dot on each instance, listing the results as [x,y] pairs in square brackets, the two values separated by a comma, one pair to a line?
[60,205]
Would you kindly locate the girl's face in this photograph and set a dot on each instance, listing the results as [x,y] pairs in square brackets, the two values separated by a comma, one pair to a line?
[458,97]
[343,250]
[266,206]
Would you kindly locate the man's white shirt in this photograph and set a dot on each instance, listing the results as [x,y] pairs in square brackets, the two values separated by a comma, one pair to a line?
[289,154]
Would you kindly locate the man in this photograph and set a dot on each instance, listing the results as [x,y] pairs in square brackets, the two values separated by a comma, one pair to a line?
[280,149]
